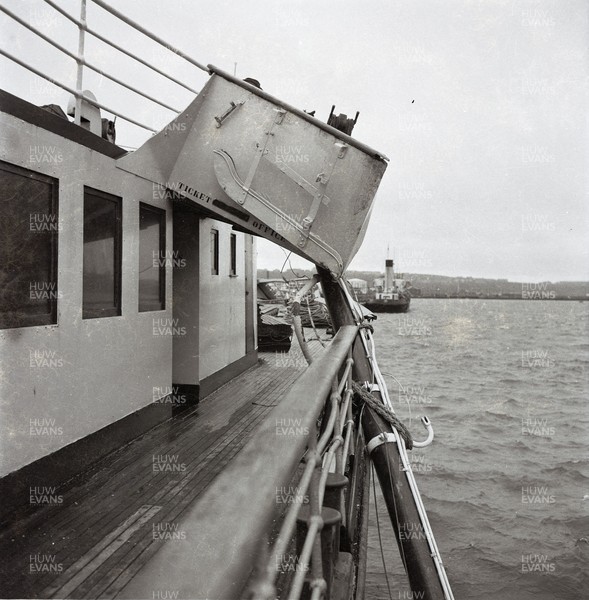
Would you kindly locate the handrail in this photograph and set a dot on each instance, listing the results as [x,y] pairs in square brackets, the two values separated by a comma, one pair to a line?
[72,91]
[81,61]
[230,522]
[80,65]
[100,37]
[319,458]
[154,37]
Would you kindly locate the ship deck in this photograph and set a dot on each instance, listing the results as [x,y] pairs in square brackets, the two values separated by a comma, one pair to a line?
[109,521]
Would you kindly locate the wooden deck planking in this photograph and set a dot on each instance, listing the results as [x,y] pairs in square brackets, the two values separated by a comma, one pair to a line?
[117,467]
[143,552]
[115,567]
[172,494]
[93,509]
[69,515]
[106,516]
[80,570]
[153,482]
[143,499]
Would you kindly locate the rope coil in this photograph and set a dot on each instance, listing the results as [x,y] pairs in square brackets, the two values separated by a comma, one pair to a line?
[384,412]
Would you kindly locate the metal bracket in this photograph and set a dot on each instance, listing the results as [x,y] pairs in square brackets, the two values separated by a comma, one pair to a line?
[264,209]
[228,112]
[342,150]
[380,439]
[299,180]
[280,113]
[322,180]
[261,150]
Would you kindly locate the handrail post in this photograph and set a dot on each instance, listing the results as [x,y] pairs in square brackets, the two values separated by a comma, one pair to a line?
[339,428]
[315,511]
[80,61]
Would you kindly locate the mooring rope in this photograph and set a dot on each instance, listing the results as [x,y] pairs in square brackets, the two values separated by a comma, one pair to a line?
[384,412]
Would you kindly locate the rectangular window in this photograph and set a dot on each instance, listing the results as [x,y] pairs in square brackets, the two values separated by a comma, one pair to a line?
[102,255]
[214,252]
[152,258]
[29,226]
[233,252]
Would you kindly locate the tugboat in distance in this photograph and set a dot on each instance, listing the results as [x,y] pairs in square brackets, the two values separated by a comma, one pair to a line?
[394,297]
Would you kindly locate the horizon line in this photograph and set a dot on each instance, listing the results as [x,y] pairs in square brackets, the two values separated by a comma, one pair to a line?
[507,279]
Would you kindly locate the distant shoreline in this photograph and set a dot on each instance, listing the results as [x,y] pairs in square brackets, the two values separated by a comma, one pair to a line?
[440,286]
[571,299]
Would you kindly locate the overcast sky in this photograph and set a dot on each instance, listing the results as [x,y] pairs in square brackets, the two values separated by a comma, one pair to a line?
[481,107]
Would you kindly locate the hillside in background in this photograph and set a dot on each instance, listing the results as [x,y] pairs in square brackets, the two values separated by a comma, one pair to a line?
[440,286]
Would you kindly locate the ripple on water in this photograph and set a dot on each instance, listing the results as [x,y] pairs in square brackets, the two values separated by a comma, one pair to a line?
[501,425]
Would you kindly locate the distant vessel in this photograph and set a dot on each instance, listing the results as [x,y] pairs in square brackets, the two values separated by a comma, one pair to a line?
[395,297]
[128,295]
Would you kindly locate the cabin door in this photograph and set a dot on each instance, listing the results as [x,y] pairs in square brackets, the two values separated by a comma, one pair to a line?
[185,351]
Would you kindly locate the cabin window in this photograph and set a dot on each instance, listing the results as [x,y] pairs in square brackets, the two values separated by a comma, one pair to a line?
[152,258]
[29,227]
[102,255]
[233,253]
[214,252]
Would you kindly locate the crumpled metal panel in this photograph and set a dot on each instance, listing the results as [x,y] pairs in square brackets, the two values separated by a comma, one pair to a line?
[268,168]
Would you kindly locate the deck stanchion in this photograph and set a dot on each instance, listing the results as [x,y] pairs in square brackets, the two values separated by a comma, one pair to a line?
[339,427]
[80,63]
[327,540]
[333,490]
[315,445]
[335,486]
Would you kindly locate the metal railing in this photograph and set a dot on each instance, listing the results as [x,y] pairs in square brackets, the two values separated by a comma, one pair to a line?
[82,62]
[236,516]
[319,462]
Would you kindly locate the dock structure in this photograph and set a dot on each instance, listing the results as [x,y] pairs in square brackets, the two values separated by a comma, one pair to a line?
[101,529]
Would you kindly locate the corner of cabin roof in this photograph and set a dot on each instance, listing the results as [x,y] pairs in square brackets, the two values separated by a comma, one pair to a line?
[51,117]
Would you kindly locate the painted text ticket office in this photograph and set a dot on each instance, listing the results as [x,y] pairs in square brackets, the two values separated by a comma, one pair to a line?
[118,302]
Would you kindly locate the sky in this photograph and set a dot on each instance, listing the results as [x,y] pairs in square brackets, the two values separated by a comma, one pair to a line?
[481,107]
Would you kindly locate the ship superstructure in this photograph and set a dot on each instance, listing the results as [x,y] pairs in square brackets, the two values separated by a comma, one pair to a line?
[135,250]
[394,297]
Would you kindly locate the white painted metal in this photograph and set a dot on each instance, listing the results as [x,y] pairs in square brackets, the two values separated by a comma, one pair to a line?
[80,62]
[269,168]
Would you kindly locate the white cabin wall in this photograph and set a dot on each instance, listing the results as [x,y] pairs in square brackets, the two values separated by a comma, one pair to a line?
[109,367]
[222,301]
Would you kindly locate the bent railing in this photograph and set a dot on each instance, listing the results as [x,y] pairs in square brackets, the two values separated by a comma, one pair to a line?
[233,520]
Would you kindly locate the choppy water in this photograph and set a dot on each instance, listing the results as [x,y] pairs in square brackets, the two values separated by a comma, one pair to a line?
[506,481]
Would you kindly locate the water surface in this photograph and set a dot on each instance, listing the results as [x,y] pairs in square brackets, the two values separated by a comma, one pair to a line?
[506,481]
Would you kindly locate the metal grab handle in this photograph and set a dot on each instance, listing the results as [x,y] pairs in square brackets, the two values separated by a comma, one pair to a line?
[227,112]
[430,434]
